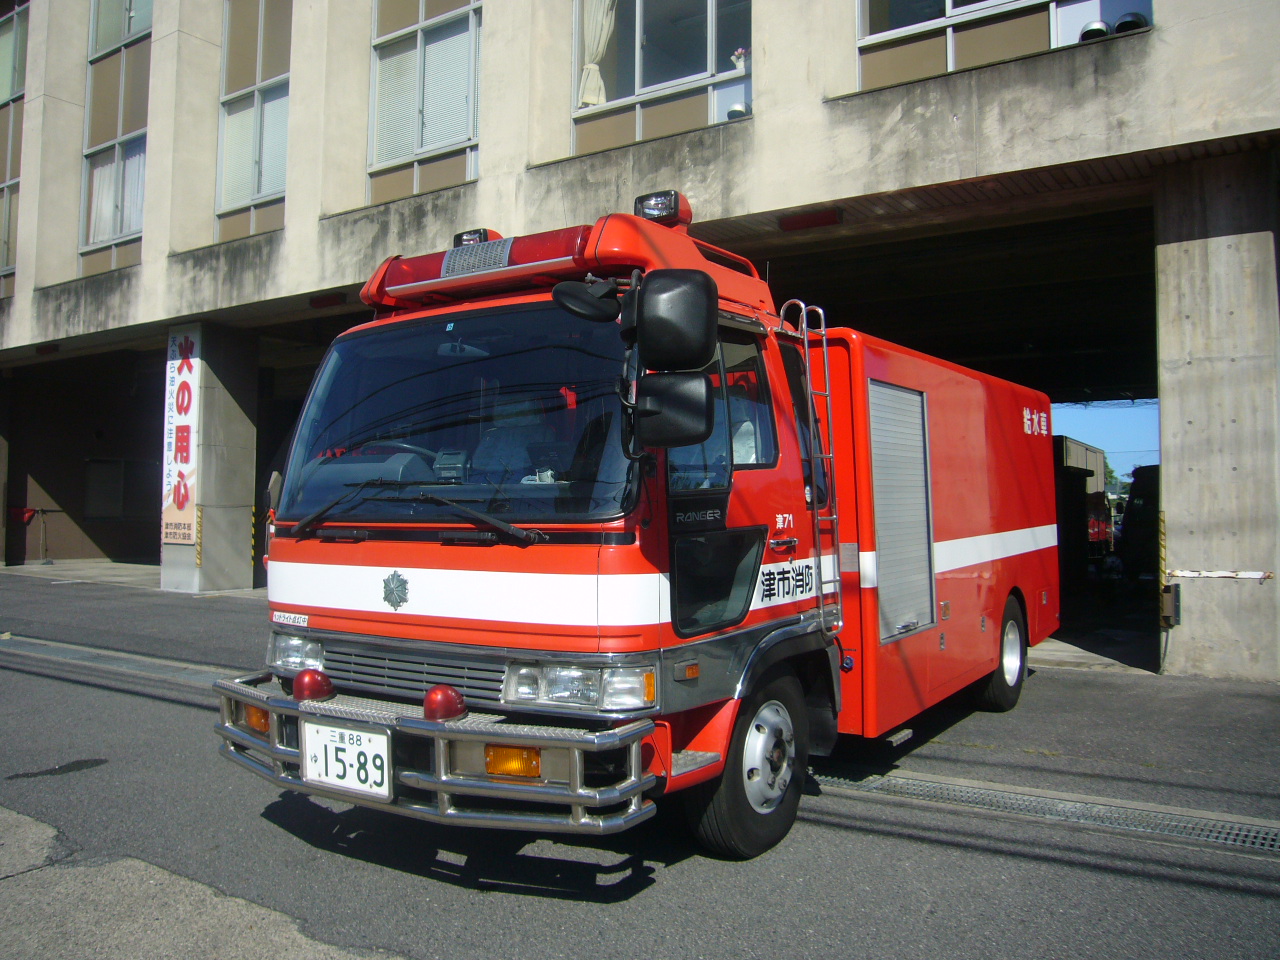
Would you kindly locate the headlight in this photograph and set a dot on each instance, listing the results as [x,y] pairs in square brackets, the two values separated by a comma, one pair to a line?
[600,688]
[294,653]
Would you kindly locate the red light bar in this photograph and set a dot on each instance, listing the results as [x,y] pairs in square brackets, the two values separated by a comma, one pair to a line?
[478,264]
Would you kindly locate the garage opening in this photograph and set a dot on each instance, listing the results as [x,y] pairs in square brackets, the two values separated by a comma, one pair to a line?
[1066,306]
[84,453]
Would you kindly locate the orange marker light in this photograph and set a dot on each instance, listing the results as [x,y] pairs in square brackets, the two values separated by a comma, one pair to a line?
[256,718]
[500,761]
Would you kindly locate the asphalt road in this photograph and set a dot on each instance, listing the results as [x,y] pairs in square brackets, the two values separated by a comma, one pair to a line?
[160,848]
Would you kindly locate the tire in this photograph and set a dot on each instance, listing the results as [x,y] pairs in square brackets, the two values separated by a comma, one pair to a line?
[1000,691]
[752,805]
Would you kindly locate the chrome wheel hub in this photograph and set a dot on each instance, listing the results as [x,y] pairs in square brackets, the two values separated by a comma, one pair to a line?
[768,756]
[1011,653]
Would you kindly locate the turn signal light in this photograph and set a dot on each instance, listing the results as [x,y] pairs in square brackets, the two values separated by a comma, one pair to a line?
[443,702]
[500,761]
[256,718]
[312,685]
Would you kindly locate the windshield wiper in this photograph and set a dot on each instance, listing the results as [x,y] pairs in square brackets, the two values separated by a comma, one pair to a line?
[521,534]
[315,516]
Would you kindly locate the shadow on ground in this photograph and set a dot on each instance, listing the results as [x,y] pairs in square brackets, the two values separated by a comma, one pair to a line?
[1116,619]
[609,869]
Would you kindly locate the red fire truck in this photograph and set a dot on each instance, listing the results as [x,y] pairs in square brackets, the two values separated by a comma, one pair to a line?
[581,519]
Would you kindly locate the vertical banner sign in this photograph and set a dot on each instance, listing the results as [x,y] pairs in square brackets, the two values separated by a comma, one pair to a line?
[181,430]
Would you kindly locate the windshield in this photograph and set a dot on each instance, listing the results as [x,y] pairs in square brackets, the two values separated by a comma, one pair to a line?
[513,413]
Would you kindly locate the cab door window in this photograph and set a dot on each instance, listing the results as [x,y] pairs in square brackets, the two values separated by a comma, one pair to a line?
[752,440]
[806,417]
[707,465]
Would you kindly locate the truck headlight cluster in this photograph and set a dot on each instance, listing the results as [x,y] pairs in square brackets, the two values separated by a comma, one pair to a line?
[292,654]
[599,688]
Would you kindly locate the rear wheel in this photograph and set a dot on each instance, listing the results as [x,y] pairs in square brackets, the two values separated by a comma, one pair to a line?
[1001,690]
[752,805]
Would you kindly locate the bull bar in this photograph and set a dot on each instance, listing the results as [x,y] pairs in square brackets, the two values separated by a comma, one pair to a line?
[273,759]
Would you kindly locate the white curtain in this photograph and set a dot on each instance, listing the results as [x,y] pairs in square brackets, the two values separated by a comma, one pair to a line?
[135,167]
[597,27]
[102,196]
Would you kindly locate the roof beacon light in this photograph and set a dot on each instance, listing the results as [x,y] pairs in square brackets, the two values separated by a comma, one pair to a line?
[474,265]
[469,237]
[668,207]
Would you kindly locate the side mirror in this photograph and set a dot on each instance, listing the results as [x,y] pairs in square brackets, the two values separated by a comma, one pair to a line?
[676,320]
[596,302]
[674,409]
[273,489]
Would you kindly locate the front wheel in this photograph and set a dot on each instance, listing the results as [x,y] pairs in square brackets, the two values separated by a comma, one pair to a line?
[752,805]
[1000,691]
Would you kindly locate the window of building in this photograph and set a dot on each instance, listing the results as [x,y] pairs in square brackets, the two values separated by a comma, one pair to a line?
[255,116]
[651,68]
[424,120]
[116,22]
[905,40]
[13,75]
[116,134]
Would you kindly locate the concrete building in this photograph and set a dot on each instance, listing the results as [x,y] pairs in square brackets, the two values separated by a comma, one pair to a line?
[205,184]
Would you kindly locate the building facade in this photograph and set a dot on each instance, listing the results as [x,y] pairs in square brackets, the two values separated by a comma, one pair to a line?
[1077,194]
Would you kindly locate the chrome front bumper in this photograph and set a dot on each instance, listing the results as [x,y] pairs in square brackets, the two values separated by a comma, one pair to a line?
[437,790]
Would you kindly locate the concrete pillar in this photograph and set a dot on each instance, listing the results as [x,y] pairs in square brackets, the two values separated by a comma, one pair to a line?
[219,554]
[182,132]
[1218,316]
[52,146]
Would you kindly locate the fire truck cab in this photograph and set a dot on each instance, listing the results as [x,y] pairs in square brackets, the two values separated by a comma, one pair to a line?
[581,519]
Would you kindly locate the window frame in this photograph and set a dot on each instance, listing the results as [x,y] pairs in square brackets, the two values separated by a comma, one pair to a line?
[9,185]
[21,27]
[118,144]
[118,235]
[472,11]
[958,14]
[736,82]
[258,91]
[97,52]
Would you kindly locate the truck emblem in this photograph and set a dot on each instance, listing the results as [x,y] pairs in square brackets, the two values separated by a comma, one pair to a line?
[395,590]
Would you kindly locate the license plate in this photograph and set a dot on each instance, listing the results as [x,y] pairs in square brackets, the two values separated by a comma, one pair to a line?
[344,758]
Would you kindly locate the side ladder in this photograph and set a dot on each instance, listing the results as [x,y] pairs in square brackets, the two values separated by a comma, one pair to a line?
[813,341]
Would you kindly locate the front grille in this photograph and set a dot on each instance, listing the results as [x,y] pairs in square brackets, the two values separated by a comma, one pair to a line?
[407,674]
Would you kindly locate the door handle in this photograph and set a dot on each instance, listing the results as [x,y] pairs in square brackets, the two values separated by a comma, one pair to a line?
[788,543]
